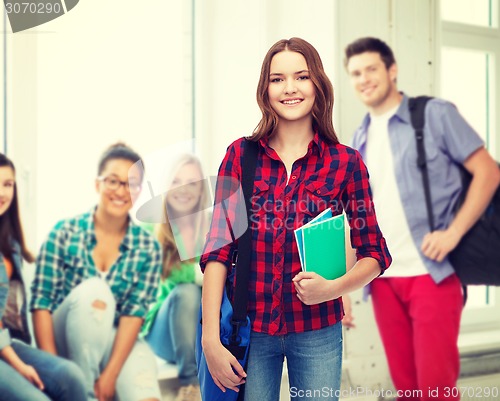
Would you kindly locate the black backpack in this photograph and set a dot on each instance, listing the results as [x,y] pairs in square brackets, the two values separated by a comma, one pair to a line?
[476,259]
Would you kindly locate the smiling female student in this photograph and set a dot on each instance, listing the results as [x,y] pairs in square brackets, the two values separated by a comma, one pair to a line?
[301,170]
[26,373]
[96,275]
[171,323]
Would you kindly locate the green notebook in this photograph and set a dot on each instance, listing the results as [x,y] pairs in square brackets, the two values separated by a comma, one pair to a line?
[321,244]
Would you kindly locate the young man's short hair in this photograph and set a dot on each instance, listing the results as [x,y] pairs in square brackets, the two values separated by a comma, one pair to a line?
[370,44]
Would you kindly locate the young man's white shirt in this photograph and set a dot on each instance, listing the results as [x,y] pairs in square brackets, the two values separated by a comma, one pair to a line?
[391,218]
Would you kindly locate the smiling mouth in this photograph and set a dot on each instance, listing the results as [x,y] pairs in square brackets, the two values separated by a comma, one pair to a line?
[368,90]
[118,202]
[183,199]
[291,102]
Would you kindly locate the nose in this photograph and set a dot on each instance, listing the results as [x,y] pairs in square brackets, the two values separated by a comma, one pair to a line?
[363,77]
[290,86]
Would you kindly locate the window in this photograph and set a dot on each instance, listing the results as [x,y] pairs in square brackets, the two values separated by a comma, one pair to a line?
[469,71]
[471,12]
[475,95]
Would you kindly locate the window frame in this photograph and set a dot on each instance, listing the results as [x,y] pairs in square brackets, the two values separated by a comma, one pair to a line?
[486,40]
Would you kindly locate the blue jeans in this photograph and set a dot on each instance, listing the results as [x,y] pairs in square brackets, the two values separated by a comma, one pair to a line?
[63,380]
[173,333]
[85,334]
[314,362]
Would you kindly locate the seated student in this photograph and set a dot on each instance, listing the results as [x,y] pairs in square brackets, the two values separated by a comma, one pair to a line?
[26,373]
[171,322]
[95,277]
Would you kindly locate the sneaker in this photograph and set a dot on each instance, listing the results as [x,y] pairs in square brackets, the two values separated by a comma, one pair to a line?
[189,393]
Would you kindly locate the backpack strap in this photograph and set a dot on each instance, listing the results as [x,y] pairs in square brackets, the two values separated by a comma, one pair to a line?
[248,166]
[417,113]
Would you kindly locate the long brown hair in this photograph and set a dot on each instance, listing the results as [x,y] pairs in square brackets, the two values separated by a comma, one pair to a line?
[171,257]
[322,112]
[10,222]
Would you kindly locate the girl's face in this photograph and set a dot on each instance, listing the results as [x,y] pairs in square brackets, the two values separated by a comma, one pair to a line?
[186,190]
[7,182]
[291,91]
[118,186]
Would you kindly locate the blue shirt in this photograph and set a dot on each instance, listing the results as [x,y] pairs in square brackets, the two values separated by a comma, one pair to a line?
[449,141]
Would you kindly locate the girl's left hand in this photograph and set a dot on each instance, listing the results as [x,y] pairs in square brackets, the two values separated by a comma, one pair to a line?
[30,374]
[312,288]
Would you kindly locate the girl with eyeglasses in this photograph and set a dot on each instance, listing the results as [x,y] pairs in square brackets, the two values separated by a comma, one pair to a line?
[96,275]
[26,373]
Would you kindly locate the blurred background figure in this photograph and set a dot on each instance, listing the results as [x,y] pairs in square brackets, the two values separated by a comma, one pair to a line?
[170,326]
[96,275]
[26,373]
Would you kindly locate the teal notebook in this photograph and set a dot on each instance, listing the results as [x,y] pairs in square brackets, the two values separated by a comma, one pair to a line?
[321,245]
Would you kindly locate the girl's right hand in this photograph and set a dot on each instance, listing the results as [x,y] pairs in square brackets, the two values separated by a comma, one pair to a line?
[30,374]
[224,367]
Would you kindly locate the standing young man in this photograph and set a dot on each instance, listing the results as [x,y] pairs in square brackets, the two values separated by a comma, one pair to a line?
[418,302]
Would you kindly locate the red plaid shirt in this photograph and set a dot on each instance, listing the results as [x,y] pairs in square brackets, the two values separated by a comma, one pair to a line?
[327,176]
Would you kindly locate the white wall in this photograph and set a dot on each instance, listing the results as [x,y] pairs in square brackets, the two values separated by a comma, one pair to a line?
[106,71]
[232,40]
[408,26]
[3,22]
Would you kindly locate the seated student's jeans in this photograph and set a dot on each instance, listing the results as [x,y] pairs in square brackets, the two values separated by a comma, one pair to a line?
[173,333]
[314,362]
[84,332]
[62,379]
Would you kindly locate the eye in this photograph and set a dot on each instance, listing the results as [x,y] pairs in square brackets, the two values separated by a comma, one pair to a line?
[113,181]
[303,77]
[274,80]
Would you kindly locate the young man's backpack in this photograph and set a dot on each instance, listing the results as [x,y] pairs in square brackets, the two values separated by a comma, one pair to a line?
[476,259]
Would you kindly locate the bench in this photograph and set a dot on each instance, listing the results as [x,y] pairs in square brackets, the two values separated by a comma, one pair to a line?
[166,370]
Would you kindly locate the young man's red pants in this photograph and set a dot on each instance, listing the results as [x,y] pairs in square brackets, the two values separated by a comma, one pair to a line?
[419,323]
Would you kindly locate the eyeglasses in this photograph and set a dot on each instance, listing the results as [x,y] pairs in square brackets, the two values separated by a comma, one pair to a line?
[113,184]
